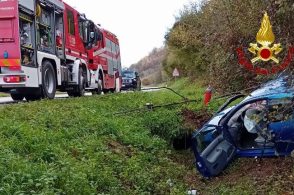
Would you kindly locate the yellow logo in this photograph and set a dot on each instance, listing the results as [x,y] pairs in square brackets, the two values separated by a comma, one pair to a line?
[265,38]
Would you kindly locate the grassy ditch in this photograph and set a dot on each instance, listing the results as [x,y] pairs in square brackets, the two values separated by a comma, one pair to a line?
[79,146]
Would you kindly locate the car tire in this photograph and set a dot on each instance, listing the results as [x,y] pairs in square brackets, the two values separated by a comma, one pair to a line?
[48,80]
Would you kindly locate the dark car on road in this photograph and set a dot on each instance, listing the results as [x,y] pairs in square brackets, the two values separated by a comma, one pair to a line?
[262,125]
[131,80]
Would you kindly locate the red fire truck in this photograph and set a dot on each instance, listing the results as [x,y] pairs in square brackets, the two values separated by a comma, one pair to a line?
[46,45]
[104,56]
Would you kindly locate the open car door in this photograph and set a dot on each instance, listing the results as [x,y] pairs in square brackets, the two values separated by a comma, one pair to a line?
[213,150]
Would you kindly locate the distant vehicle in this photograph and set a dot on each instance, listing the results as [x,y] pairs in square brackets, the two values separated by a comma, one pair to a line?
[261,125]
[131,80]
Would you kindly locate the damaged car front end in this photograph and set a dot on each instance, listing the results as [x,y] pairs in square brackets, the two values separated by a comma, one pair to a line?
[262,125]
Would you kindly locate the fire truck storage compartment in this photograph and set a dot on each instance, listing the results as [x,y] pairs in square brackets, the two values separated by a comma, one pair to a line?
[64,74]
[27,39]
[45,27]
[59,4]
[28,4]
[59,34]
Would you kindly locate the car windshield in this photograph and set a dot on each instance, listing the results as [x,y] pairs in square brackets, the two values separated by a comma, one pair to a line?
[129,74]
[205,137]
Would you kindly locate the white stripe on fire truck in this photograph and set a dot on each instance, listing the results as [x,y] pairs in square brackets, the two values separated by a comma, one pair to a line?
[96,53]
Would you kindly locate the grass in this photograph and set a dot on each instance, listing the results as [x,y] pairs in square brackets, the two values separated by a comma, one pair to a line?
[4,94]
[79,146]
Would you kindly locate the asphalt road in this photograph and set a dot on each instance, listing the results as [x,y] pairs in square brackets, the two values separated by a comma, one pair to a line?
[9,100]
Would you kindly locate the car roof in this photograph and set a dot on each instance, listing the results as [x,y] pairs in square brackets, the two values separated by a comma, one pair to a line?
[282,86]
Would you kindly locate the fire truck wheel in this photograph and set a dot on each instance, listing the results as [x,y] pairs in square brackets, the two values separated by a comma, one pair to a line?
[80,90]
[32,97]
[100,86]
[16,96]
[82,83]
[48,80]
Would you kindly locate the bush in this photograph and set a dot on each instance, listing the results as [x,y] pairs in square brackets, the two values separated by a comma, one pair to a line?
[203,41]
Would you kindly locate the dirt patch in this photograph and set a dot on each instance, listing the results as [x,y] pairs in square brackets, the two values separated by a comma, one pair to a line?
[264,176]
[195,120]
[118,148]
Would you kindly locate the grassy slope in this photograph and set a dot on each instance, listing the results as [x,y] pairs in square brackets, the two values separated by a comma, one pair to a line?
[77,146]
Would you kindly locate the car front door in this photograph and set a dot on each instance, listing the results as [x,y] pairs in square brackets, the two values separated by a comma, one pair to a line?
[213,150]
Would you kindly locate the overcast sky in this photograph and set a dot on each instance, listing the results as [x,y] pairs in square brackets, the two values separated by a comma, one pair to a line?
[139,24]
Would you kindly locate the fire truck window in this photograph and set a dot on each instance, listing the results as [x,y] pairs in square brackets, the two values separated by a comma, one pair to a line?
[112,47]
[115,64]
[108,44]
[117,49]
[70,22]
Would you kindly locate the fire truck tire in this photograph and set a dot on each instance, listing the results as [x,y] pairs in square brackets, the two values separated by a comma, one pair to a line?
[82,83]
[16,96]
[48,80]
[100,85]
[80,90]
[32,97]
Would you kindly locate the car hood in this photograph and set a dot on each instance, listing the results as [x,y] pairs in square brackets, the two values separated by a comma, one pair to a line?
[281,85]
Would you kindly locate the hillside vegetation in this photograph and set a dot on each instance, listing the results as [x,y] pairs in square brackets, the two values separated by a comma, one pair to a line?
[203,41]
[93,145]
[150,67]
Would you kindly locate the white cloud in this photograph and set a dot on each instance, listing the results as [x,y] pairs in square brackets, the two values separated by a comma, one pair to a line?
[139,24]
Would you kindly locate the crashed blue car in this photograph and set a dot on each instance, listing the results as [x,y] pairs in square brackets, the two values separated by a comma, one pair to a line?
[262,125]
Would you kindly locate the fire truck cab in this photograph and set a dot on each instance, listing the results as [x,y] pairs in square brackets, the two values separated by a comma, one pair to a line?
[46,45]
[104,60]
